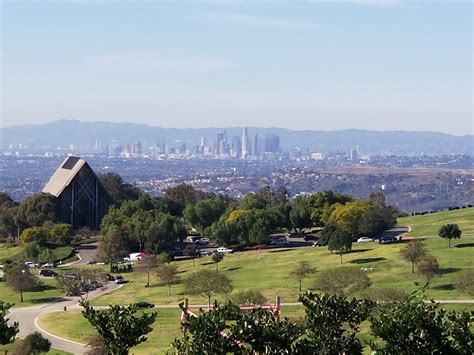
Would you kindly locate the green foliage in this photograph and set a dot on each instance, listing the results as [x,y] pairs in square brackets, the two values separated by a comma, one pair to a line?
[33,344]
[207,283]
[183,195]
[416,327]
[61,233]
[192,251]
[301,270]
[222,233]
[119,327]
[146,265]
[72,282]
[428,266]
[450,231]
[322,203]
[332,324]
[34,234]
[36,209]
[342,280]
[413,252]
[167,274]
[113,247]
[300,214]
[385,297]
[116,189]
[7,331]
[8,215]
[217,258]
[204,212]
[340,242]
[249,298]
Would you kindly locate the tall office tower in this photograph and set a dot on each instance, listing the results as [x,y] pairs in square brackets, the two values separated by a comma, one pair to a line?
[354,155]
[245,144]
[203,145]
[218,143]
[236,148]
[272,143]
[257,145]
[161,146]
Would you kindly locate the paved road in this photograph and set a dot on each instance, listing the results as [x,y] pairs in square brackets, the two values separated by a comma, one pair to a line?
[87,253]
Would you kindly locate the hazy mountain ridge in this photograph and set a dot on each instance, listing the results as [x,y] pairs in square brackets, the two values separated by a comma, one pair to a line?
[64,132]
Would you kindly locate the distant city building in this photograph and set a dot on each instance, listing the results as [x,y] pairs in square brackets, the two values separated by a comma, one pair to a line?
[257,146]
[245,144]
[272,143]
[236,148]
[80,198]
[354,155]
[316,156]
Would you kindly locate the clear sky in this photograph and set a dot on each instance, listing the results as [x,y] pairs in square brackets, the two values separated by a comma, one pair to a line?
[319,65]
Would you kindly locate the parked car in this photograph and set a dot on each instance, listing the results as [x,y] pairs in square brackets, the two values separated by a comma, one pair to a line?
[48,273]
[279,241]
[31,265]
[387,239]
[225,250]
[310,237]
[203,241]
[144,304]
[318,243]
[106,277]
[293,235]
[119,280]
[205,252]
[364,240]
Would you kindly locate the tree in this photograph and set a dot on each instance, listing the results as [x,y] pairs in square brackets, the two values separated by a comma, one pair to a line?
[119,327]
[450,231]
[377,199]
[342,280]
[414,326]
[349,216]
[146,265]
[37,209]
[61,233]
[300,214]
[413,252]
[332,323]
[203,213]
[112,248]
[34,234]
[33,344]
[21,280]
[7,331]
[217,258]
[385,298]
[428,266]
[118,191]
[74,282]
[249,298]
[207,283]
[184,194]
[466,281]
[167,273]
[301,270]
[340,241]
[8,214]
[192,251]
[260,227]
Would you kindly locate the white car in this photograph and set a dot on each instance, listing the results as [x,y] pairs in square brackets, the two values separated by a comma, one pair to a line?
[202,241]
[364,240]
[279,241]
[224,250]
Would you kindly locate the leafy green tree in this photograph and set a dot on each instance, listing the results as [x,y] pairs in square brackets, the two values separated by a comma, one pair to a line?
[300,214]
[254,201]
[61,233]
[340,242]
[377,220]
[342,280]
[222,233]
[332,324]
[301,271]
[450,231]
[112,247]
[203,213]
[249,298]
[20,280]
[184,194]
[217,258]
[163,232]
[377,199]
[260,227]
[8,214]
[207,283]
[33,344]
[45,256]
[37,209]
[192,251]
[413,252]
[33,250]
[321,202]
[167,274]
[417,327]
[349,216]
[118,191]
[7,331]
[34,234]
[428,266]
[119,327]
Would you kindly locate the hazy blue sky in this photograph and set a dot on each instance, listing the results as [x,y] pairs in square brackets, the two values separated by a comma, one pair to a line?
[301,65]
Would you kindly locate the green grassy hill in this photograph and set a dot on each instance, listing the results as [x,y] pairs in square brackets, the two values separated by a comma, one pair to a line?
[429,224]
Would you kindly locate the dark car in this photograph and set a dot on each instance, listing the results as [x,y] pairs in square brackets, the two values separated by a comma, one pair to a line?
[144,304]
[318,243]
[310,237]
[48,273]
[387,239]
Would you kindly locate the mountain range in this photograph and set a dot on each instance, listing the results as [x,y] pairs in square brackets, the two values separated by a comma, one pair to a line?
[62,133]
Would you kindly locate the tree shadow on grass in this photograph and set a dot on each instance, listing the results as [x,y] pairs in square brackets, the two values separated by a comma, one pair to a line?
[367,260]
[234,268]
[444,287]
[281,250]
[42,287]
[465,245]
[48,300]
[358,251]
[448,270]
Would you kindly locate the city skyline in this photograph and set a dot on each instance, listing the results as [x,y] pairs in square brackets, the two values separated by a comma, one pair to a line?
[379,65]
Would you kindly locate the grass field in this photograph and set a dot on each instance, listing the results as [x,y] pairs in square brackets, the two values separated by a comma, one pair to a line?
[10,347]
[429,224]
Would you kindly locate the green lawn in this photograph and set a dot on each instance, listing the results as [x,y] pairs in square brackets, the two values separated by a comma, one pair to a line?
[9,252]
[270,272]
[10,347]
[429,224]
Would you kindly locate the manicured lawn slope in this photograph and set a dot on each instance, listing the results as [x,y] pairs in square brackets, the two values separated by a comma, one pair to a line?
[429,224]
